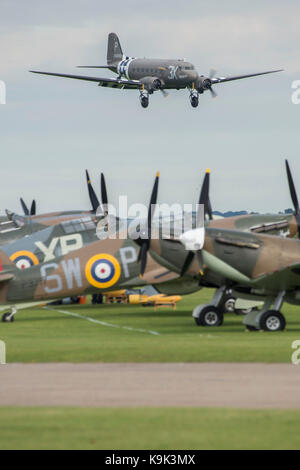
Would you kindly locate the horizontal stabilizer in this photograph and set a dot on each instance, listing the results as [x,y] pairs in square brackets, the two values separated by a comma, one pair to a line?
[93,66]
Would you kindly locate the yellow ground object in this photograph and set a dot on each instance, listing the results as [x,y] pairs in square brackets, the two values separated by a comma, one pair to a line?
[159,300]
[119,296]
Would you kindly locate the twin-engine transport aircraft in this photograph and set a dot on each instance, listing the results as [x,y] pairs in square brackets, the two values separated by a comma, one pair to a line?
[149,75]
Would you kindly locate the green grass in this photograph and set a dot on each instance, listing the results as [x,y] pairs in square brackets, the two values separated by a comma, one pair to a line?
[150,428]
[39,335]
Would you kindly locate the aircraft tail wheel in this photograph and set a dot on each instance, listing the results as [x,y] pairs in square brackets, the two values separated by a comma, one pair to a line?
[229,305]
[209,316]
[7,317]
[272,320]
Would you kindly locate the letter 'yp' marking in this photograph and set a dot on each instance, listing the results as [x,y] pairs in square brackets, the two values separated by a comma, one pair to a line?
[102,271]
[24,259]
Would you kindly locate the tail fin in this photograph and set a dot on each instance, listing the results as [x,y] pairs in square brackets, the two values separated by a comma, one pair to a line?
[114,50]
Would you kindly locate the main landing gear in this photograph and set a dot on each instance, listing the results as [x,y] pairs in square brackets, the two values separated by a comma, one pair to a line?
[212,314]
[194,98]
[9,316]
[144,99]
[267,319]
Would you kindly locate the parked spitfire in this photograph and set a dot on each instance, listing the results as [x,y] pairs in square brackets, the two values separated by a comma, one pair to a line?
[14,227]
[149,75]
[253,265]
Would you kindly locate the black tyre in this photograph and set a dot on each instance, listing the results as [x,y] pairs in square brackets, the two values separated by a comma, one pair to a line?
[194,101]
[210,316]
[272,320]
[6,319]
[144,102]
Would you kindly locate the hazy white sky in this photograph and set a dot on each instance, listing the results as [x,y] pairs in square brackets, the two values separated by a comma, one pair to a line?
[52,129]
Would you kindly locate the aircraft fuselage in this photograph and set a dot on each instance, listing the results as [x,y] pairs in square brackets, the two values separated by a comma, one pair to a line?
[172,73]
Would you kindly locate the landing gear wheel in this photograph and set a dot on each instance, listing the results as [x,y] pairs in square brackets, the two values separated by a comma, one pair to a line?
[6,317]
[272,320]
[144,101]
[194,101]
[229,305]
[209,316]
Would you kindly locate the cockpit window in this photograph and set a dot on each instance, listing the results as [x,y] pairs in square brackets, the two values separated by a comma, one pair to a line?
[79,225]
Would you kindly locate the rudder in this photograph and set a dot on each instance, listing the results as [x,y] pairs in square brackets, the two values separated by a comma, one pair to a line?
[114,50]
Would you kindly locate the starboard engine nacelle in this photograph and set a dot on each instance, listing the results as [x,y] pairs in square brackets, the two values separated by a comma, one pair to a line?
[203,83]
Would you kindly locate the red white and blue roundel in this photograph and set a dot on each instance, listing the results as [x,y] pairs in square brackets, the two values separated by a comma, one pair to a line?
[24,259]
[102,271]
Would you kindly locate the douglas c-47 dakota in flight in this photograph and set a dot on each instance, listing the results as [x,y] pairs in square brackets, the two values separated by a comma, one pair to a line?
[149,75]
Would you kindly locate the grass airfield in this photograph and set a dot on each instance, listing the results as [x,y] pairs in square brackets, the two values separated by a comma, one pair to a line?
[148,428]
[138,334]
[131,333]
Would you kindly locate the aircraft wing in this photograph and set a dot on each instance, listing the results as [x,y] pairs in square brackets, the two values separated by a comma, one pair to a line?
[6,277]
[105,82]
[239,77]
[286,278]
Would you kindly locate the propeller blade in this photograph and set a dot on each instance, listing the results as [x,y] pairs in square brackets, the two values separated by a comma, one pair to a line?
[292,188]
[24,207]
[145,242]
[152,204]
[212,73]
[188,261]
[213,93]
[204,195]
[93,198]
[164,92]
[104,198]
[33,208]
[200,261]
[143,257]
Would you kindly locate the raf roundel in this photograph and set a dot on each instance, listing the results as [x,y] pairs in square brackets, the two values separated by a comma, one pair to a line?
[24,259]
[102,271]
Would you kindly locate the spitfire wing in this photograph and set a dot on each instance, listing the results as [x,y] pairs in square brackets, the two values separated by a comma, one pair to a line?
[239,77]
[4,277]
[286,278]
[105,82]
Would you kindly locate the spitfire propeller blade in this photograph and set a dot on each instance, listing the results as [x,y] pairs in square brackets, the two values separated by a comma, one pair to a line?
[204,195]
[33,208]
[293,194]
[203,199]
[145,242]
[93,198]
[187,263]
[24,207]
[104,198]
